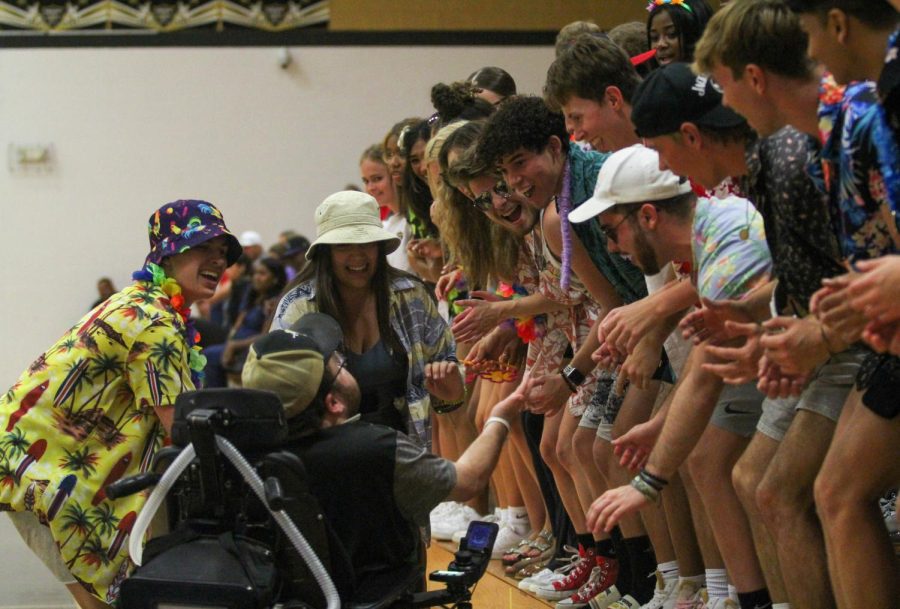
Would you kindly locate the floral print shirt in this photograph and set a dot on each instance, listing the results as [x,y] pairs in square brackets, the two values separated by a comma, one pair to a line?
[729,245]
[421,330]
[81,417]
[850,122]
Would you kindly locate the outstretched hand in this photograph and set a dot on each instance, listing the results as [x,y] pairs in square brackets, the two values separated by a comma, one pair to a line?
[612,506]
[708,323]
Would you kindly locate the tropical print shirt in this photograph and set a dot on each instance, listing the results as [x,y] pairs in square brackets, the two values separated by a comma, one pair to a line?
[850,122]
[81,417]
[729,245]
[417,324]
[797,218]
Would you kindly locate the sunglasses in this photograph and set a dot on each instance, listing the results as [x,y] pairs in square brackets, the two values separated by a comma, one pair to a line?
[612,232]
[485,201]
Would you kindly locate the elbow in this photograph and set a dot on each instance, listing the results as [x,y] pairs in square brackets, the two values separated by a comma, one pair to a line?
[468,484]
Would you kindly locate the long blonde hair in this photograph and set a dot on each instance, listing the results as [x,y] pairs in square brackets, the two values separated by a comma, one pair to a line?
[486,251]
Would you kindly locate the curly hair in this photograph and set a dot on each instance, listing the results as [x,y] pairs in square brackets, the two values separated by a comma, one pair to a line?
[484,249]
[458,101]
[523,121]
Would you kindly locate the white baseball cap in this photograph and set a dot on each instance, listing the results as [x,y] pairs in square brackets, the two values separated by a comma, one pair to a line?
[630,175]
[250,237]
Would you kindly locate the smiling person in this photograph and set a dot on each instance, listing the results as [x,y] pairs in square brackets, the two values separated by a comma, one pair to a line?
[96,406]
[674,27]
[378,181]
[394,339]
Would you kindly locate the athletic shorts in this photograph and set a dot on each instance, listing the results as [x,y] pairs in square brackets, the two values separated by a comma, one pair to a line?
[738,409]
[603,408]
[879,380]
[38,538]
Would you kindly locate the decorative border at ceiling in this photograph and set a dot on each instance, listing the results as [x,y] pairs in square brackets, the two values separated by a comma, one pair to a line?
[120,16]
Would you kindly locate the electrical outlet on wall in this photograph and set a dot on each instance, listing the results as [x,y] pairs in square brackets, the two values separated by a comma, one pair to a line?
[31,158]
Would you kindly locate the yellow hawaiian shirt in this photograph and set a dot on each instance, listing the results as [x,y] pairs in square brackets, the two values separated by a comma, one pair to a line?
[81,416]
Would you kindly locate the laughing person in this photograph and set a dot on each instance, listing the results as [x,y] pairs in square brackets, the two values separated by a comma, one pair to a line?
[396,343]
[95,406]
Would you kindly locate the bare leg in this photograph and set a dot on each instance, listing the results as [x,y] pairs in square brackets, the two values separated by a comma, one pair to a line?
[709,549]
[746,476]
[711,463]
[525,477]
[681,528]
[564,482]
[861,464]
[85,599]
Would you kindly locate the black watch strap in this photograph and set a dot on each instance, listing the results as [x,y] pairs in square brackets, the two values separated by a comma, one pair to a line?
[573,375]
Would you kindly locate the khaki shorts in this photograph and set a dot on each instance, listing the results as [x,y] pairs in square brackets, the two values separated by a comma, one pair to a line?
[38,538]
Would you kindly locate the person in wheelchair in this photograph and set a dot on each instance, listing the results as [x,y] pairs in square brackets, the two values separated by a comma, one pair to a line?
[376,486]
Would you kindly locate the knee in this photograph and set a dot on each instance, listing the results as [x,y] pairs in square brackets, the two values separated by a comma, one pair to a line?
[830,496]
[602,453]
[548,454]
[565,453]
[746,481]
[583,445]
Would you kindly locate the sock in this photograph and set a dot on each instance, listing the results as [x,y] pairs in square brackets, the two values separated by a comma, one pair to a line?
[623,581]
[716,583]
[643,565]
[732,593]
[517,518]
[781,606]
[668,570]
[586,541]
[605,548]
[758,599]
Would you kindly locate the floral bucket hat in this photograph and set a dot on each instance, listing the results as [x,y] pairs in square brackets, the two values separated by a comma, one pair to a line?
[178,226]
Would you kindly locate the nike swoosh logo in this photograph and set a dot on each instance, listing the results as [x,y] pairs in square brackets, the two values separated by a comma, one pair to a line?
[730,410]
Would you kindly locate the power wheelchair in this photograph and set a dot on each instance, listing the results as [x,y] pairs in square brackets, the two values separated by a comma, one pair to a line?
[246,533]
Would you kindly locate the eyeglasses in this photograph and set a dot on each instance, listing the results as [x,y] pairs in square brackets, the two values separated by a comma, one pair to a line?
[612,232]
[485,201]
[342,363]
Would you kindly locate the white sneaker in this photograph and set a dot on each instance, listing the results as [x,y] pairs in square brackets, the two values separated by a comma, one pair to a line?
[626,602]
[688,595]
[453,521]
[442,509]
[547,577]
[507,537]
[459,533]
[663,594]
[535,580]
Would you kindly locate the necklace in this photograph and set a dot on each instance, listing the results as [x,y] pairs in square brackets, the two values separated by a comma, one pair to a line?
[564,203]
[153,274]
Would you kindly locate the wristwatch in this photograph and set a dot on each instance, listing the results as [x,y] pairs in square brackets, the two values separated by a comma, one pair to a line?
[573,375]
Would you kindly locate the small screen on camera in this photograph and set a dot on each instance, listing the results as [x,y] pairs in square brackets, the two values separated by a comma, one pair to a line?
[478,536]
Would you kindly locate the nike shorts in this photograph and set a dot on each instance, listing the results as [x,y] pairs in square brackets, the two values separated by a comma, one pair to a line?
[603,408]
[738,409]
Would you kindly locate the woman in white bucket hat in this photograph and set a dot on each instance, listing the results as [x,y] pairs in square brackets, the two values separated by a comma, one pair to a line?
[397,345]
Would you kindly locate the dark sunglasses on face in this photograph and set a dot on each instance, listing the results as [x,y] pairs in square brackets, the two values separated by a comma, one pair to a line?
[485,201]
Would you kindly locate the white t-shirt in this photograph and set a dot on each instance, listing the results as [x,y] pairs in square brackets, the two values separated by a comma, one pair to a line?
[397,224]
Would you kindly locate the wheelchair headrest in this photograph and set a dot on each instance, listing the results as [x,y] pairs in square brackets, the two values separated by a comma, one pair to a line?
[249,418]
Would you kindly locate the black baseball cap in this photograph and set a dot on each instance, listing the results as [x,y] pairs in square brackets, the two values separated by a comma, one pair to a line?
[672,95]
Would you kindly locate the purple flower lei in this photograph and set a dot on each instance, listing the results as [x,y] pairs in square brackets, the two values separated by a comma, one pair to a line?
[564,203]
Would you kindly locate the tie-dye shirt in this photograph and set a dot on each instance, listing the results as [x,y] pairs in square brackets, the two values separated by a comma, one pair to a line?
[730,252]
[421,330]
[81,417]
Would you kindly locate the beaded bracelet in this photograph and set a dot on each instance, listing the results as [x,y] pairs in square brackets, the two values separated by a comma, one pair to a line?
[654,481]
[645,489]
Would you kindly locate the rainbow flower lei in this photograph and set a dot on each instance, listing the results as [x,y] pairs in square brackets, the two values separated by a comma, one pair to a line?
[655,3]
[528,328]
[155,275]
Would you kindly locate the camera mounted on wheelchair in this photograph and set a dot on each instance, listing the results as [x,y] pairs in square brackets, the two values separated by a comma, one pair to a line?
[246,531]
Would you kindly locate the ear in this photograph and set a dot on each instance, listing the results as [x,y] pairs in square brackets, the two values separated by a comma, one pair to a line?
[333,406]
[554,144]
[690,135]
[838,25]
[756,76]
[613,96]
[648,216]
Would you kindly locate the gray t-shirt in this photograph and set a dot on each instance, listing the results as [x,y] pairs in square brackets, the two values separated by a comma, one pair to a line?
[421,480]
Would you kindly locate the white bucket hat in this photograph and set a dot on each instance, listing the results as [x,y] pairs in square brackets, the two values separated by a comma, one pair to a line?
[350,216]
[631,175]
